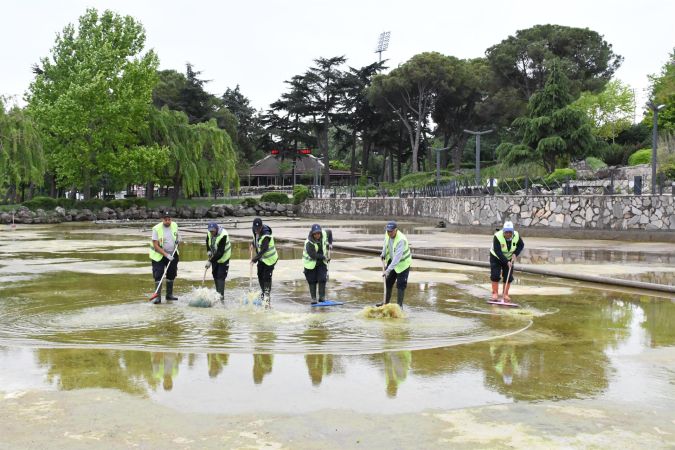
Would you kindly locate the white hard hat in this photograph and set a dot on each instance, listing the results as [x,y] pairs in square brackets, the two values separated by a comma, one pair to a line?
[508,226]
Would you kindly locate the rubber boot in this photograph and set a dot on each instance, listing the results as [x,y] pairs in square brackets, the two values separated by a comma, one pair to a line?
[400,293]
[322,292]
[506,297]
[387,297]
[267,299]
[169,291]
[495,291]
[158,287]
[312,292]
[220,288]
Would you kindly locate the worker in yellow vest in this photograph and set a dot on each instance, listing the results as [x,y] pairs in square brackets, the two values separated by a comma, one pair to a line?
[163,252]
[315,257]
[506,246]
[265,257]
[219,251]
[398,258]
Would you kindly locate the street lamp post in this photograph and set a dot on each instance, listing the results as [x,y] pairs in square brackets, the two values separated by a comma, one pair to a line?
[438,165]
[655,137]
[478,134]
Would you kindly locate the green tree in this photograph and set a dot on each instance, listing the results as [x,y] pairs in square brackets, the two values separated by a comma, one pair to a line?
[553,130]
[663,93]
[611,110]
[90,97]
[200,156]
[22,161]
[410,90]
[248,124]
[522,61]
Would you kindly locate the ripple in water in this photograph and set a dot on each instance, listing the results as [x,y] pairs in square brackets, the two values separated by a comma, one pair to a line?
[240,326]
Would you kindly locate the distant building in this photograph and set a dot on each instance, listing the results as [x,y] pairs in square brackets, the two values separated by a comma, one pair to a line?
[308,170]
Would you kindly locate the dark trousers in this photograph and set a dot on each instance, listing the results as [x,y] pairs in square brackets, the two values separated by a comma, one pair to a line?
[318,274]
[401,279]
[499,270]
[159,266]
[220,270]
[265,275]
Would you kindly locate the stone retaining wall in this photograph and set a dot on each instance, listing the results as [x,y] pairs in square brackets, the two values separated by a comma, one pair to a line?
[59,214]
[587,212]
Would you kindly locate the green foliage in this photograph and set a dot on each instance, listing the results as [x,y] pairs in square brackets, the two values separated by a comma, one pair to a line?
[552,131]
[274,197]
[199,156]
[610,111]
[249,202]
[338,165]
[409,91]
[663,93]
[301,193]
[560,175]
[524,61]
[91,96]
[40,202]
[22,160]
[668,171]
[643,156]
[595,163]
[502,170]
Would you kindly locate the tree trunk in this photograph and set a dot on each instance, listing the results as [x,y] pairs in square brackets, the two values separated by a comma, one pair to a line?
[353,158]
[458,151]
[176,185]
[365,155]
[149,190]
[326,157]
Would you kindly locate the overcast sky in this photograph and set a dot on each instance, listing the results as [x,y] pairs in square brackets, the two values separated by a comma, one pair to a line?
[259,44]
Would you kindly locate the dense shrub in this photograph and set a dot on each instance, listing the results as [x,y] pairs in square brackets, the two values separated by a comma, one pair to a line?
[249,202]
[274,197]
[41,202]
[595,163]
[642,156]
[301,193]
[93,204]
[668,171]
[561,175]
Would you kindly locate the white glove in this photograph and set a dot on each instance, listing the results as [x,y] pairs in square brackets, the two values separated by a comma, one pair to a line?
[209,253]
[207,265]
[169,257]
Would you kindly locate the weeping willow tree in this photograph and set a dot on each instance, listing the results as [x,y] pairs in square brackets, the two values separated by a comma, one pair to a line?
[22,161]
[200,156]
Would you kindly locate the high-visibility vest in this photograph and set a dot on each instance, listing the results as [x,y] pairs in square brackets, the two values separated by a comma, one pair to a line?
[506,249]
[214,245]
[270,257]
[159,228]
[406,258]
[307,261]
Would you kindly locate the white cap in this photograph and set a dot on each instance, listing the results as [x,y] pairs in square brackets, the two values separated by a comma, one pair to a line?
[508,226]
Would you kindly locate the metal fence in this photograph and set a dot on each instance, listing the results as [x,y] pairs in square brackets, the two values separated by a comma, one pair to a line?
[522,186]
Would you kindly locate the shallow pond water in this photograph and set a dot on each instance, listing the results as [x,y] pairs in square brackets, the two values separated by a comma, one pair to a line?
[74,314]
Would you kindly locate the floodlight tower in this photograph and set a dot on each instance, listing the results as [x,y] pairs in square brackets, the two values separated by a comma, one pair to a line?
[382,43]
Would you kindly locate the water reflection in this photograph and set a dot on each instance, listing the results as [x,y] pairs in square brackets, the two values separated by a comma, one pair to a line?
[396,367]
[558,256]
[216,362]
[165,368]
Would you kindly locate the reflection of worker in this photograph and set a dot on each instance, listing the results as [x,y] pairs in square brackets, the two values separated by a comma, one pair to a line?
[506,362]
[262,365]
[318,366]
[396,366]
[216,362]
[165,368]
[315,257]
